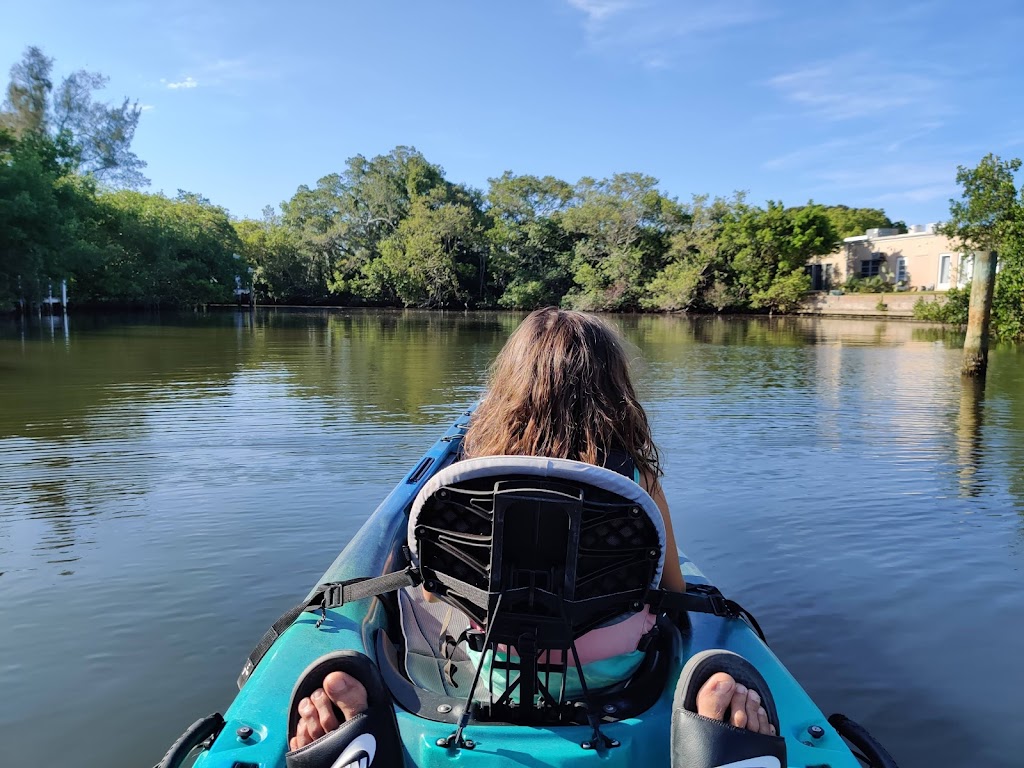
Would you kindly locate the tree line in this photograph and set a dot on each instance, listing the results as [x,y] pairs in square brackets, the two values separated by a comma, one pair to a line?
[390,230]
[70,209]
[393,230]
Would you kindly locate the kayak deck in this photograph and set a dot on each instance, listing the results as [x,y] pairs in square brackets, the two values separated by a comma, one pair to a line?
[262,703]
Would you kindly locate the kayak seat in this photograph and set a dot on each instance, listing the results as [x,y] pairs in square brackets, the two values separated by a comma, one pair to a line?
[527,557]
[434,659]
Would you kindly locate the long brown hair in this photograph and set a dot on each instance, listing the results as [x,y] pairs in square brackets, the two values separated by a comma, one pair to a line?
[560,387]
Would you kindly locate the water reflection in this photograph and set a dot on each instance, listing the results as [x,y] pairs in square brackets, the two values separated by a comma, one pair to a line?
[968,435]
[94,424]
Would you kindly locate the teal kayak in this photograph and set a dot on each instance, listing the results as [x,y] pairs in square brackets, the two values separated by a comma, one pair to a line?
[253,730]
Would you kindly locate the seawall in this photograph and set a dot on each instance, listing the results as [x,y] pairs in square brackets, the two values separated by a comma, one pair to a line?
[895,305]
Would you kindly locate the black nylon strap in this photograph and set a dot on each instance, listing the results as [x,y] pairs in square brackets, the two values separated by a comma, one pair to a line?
[701,598]
[332,594]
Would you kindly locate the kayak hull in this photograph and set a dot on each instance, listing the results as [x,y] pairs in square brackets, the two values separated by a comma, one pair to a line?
[262,703]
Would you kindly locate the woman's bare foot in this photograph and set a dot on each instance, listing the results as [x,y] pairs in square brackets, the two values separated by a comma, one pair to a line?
[721,694]
[317,715]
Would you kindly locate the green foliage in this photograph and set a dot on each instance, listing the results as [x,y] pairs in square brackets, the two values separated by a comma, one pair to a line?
[876,284]
[281,271]
[696,260]
[990,217]
[91,137]
[530,251]
[769,250]
[952,308]
[989,211]
[157,250]
[850,222]
[784,293]
[621,228]
[44,214]
[111,246]
[433,256]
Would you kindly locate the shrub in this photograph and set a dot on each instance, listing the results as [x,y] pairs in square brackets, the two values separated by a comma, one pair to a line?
[951,310]
[876,284]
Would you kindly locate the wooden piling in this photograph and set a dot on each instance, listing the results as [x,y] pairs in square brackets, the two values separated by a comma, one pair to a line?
[975,359]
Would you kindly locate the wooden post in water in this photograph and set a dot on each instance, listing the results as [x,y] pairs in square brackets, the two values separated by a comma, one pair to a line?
[975,359]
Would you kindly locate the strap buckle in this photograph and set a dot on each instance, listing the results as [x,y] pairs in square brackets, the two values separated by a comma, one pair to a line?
[720,604]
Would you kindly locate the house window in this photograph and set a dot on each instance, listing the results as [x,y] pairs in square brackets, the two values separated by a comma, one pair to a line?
[965,269]
[870,267]
[944,269]
[901,270]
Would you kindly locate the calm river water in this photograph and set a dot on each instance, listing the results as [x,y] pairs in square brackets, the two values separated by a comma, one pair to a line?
[169,486]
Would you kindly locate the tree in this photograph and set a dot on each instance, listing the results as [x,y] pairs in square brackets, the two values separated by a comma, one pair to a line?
[435,253]
[530,249]
[162,251]
[25,109]
[850,222]
[343,221]
[989,210]
[621,229]
[46,216]
[990,217]
[101,133]
[280,268]
[93,137]
[770,248]
[697,271]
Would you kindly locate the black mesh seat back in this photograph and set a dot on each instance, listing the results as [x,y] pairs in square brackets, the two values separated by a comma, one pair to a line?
[537,559]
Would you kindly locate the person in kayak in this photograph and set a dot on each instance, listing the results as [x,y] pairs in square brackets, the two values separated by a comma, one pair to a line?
[561,388]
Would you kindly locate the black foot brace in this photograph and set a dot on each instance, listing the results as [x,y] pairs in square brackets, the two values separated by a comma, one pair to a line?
[368,740]
[700,742]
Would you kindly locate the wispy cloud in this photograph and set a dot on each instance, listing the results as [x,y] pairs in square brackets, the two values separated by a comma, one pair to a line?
[898,167]
[652,31]
[806,155]
[599,10]
[862,147]
[188,82]
[925,194]
[859,85]
[893,184]
[146,107]
[218,72]
[903,175]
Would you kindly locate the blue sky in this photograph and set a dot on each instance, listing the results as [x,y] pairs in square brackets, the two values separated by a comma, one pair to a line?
[866,103]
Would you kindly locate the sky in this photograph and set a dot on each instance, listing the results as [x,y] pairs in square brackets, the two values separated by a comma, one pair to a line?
[861,103]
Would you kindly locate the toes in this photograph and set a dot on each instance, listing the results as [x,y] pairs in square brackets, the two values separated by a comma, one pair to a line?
[316,714]
[753,704]
[313,727]
[715,695]
[763,726]
[324,710]
[301,737]
[347,693]
[309,721]
[739,706]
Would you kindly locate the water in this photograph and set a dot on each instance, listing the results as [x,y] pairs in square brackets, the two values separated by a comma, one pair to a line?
[168,486]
